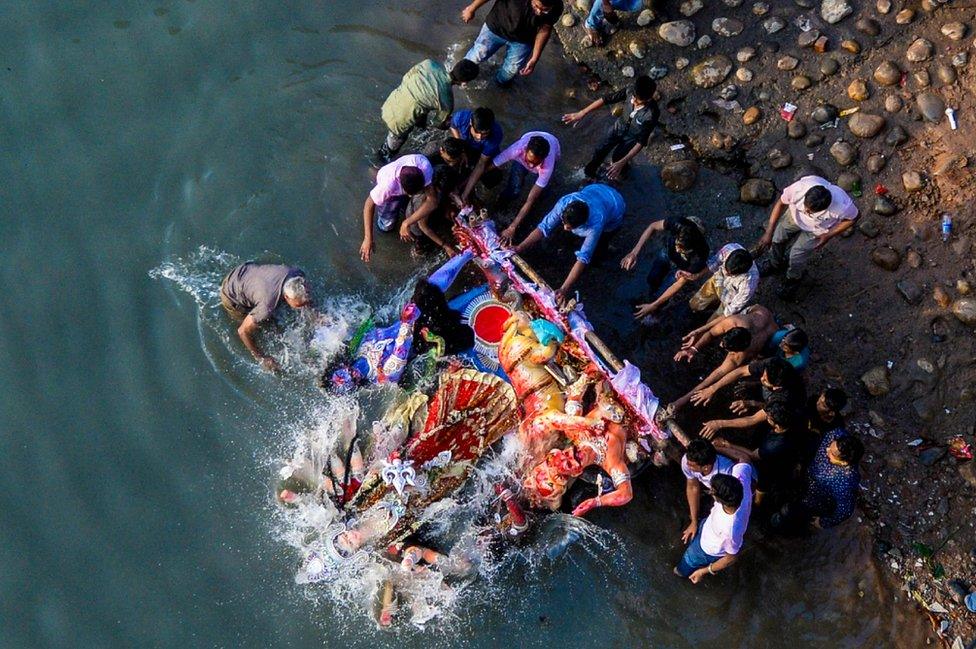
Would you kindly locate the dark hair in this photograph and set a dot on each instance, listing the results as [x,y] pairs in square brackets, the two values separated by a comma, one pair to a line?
[687,235]
[796,340]
[739,261]
[464,71]
[644,88]
[701,452]
[453,147]
[412,180]
[736,339]
[440,319]
[727,490]
[778,371]
[835,398]
[538,146]
[780,414]
[482,119]
[817,198]
[575,214]
[850,449]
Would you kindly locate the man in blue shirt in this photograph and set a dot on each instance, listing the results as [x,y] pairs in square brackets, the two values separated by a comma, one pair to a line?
[588,213]
[483,137]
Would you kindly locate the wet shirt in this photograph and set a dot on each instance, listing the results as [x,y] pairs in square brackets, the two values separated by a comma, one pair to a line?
[735,292]
[722,465]
[514,20]
[841,206]
[256,289]
[798,361]
[694,260]
[516,152]
[722,533]
[793,392]
[388,177]
[779,455]
[635,123]
[831,489]
[425,88]
[490,146]
[606,213]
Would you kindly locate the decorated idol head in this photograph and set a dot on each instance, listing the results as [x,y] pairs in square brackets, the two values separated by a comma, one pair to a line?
[548,480]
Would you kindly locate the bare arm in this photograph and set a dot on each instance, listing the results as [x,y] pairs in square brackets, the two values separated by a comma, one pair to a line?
[693,494]
[246,332]
[574,274]
[840,228]
[710,428]
[369,210]
[702,397]
[468,12]
[483,165]
[574,118]
[421,213]
[628,262]
[717,566]
[774,216]
[616,168]
[541,38]
[724,368]
[534,237]
[530,200]
[619,497]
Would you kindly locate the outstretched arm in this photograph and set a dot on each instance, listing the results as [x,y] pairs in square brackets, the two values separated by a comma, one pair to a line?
[467,14]
[711,428]
[724,368]
[702,397]
[246,332]
[630,260]
[366,249]
[541,38]
[483,165]
[575,118]
[620,496]
[767,238]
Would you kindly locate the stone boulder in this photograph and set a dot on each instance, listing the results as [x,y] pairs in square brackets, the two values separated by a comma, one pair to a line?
[678,32]
[757,191]
[834,11]
[679,176]
[887,74]
[865,125]
[711,71]
[876,381]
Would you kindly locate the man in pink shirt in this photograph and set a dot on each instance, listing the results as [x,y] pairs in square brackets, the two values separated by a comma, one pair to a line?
[816,212]
[396,183]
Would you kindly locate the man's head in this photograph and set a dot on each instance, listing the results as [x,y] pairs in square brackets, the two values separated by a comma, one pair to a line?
[736,339]
[779,416]
[831,402]
[464,71]
[412,180]
[686,237]
[482,121]
[644,89]
[776,374]
[542,7]
[575,214]
[817,199]
[794,342]
[700,456]
[738,262]
[536,151]
[295,292]
[845,451]
[452,150]
[727,490]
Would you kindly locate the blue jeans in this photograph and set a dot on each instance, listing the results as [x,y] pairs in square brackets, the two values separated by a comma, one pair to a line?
[390,212]
[595,19]
[660,276]
[516,179]
[489,42]
[694,557]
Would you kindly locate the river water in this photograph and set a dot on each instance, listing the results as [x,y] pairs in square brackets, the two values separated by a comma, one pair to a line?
[145,148]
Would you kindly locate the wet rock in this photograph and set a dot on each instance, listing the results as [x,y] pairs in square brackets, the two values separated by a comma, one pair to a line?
[896,136]
[679,176]
[787,63]
[843,152]
[954,31]
[704,42]
[868,26]
[846,180]
[883,6]
[834,11]
[887,258]
[744,75]
[912,181]
[905,16]
[893,103]
[858,90]
[876,381]
[712,71]
[745,54]
[865,125]
[807,39]
[757,191]
[646,17]
[568,19]
[945,74]
[751,116]
[801,82]
[824,113]
[690,7]
[829,66]
[814,140]
[920,50]
[678,32]
[760,8]
[869,227]
[876,162]
[728,93]
[681,63]
[926,412]
[773,24]
[910,291]
[965,310]
[636,49]
[850,45]
[913,259]
[796,129]
[884,206]
[727,27]
[779,160]
[931,106]
[887,74]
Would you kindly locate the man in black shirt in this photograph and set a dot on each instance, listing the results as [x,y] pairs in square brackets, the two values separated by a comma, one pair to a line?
[629,133]
[522,26]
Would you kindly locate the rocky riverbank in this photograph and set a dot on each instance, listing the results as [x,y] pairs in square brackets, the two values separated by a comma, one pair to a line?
[891,309]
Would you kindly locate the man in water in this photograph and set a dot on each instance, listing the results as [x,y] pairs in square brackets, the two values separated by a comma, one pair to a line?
[426,94]
[521,26]
[396,182]
[816,212]
[700,464]
[252,292]
[589,213]
[629,133]
[483,135]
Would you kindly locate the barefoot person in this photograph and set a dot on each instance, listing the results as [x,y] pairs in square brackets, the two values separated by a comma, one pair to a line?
[523,27]
[589,213]
[252,293]
[602,18]
[396,182]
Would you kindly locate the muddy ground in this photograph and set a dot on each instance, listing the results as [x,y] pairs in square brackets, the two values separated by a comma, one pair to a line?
[888,308]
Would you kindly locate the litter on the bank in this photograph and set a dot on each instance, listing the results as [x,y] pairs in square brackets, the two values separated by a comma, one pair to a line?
[804,23]
[849,111]
[733,222]
[677,147]
[960,449]
[809,156]
[728,105]
[788,111]
[916,442]
[832,124]
[951,114]
[889,364]
[880,189]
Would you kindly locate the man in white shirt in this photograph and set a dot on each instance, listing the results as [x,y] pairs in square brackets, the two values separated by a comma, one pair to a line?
[700,464]
[816,212]
[719,539]
[733,284]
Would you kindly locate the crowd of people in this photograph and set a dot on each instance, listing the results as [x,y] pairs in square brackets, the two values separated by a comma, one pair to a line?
[778,459]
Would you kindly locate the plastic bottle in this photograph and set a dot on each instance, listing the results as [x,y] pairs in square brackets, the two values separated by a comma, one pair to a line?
[946,227]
